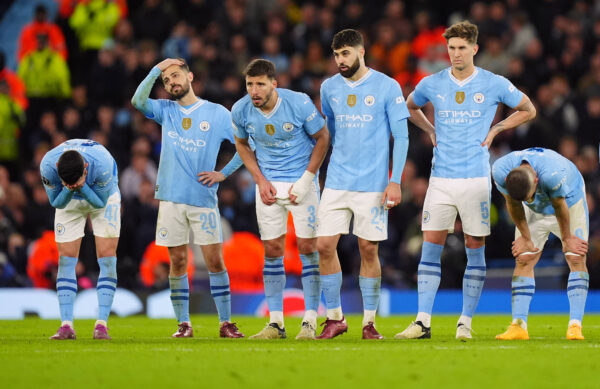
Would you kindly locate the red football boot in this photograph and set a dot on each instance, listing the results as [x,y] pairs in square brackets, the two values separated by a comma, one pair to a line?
[333,328]
[185,330]
[229,330]
[369,332]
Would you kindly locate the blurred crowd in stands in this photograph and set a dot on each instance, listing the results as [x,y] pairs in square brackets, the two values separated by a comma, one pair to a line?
[76,74]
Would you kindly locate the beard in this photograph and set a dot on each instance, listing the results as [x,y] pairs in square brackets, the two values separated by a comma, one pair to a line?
[183,90]
[264,102]
[351,70]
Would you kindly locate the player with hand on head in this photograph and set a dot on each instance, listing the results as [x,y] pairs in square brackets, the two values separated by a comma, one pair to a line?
[192,132]
[464,98]
[290,142]
[81,179]
[545,193]
[363,107]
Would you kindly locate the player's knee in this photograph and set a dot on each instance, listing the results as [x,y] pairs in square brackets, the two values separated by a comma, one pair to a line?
[526,261]
[576,262]
[307,246]
[274,248]
[325,248]
[216,266]
[178,259]
[368,250]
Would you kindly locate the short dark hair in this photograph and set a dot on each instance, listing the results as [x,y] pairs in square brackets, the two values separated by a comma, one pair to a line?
[465,30]
[260,67]
[185,67]
[70,166]
[518,183]
[347,37]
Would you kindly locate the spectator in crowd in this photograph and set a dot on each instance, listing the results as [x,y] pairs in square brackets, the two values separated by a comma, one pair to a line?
[41,26]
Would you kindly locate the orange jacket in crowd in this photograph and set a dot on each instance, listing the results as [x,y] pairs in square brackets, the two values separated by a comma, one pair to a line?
[244,256]
[16,88]
[155,255]
[28,40]
[43,258]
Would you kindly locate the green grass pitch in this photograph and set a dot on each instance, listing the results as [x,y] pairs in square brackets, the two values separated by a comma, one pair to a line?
[142,354]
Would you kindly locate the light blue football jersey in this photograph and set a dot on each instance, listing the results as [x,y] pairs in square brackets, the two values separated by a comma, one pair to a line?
[362,112]
[191,139]
[464,111]
[283,137]
[557,177]
[102,175]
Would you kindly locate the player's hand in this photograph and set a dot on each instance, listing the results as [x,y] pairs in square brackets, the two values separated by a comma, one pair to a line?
[489,138]
[522,246]
[267,192]
[575,246]
[300,188]
[210,178]
[79,184]
[392,195]
[163,65]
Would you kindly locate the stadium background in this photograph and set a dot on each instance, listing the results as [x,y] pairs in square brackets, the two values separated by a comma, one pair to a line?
[99,50]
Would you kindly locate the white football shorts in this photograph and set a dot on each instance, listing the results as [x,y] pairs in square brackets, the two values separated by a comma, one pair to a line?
[69,222]
[540,225]
[467,197]
[175,220]
[272,219]
[338,206]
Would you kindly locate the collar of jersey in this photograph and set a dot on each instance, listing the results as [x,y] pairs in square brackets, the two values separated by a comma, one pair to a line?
[465,81]
[275,108]
[193,107]
[353,84]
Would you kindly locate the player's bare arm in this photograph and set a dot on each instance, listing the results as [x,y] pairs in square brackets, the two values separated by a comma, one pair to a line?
[266,189]
[300,187]
[571,243]
[525,112]
[418,118]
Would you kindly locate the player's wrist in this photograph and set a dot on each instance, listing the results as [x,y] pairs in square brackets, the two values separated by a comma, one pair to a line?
[307,177]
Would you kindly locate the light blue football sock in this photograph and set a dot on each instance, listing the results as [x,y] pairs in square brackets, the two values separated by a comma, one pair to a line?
[429,275]
[473,280]
[219,288]
[180,297]
[106,286]
[523,289]
[274,281]
[332,285]
[370,289]
[66,287]
[577,289]
[311,284]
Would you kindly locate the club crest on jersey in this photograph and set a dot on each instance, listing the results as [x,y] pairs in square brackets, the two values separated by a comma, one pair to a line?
[460,97]
[60,229]
[369,100]
[270,129]
[426,217]
[186,123]
[478,98]
[163,233]
[351,100]
[287,127]
[204,126]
